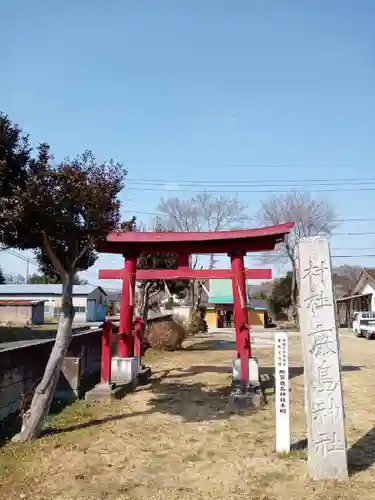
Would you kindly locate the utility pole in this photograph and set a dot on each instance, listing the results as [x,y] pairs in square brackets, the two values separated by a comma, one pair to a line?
[27,271]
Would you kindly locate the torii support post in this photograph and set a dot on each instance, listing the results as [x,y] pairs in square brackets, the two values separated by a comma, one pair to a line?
[241,316]
[125,340]
[138,322]
[107,330]
[105,390]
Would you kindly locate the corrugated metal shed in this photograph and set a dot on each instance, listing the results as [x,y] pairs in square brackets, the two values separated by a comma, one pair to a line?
[45,289]
[11,302]
[113,296]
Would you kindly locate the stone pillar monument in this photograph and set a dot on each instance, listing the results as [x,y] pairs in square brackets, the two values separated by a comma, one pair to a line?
[327,456]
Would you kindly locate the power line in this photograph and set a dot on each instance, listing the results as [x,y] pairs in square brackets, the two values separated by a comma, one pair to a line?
[354,219]
[354,249]
[350,219]
[289,165]
[353,256]
[323,185]
[262,191]
[365,233]
[257,182]
[14,253]
[106,288]
[143,213]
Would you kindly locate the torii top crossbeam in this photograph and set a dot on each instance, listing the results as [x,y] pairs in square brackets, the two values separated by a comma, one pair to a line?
[247,240]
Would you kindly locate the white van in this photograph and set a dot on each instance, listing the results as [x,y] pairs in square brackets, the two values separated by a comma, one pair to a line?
[364,324]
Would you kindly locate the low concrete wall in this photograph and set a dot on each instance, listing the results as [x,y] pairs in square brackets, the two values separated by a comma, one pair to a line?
[21,369]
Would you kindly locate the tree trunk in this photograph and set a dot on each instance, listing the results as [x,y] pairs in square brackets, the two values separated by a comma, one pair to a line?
[192,294]
[294,293]
[33,418]
[212,261]
[141,299]
[199,297]
[144,313]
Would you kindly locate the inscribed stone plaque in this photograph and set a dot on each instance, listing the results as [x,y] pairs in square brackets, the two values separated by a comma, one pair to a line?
[327,457]
[282,393]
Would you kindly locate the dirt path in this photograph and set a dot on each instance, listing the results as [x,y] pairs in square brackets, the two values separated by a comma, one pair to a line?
[174,439]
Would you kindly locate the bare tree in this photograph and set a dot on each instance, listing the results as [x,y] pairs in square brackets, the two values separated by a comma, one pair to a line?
[151,288]
[312,217]
[345,278]
[203,212]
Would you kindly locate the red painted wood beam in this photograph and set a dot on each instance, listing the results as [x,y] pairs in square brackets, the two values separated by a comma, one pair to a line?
[246,240]
[264,244]
[188,274]
[233,236]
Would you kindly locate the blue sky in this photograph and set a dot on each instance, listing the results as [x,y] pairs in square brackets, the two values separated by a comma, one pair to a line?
[189,90]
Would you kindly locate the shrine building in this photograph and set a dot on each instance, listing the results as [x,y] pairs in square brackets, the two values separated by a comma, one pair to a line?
[220,307]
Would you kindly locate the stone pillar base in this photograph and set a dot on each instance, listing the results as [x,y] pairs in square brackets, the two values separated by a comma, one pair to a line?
[105,392]
[246,398]
[248,395]
[108,392]
[124,370]
[253,374]
[144,375]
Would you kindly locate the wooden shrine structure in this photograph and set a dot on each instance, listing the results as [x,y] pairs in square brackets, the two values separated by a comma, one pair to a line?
[234,243]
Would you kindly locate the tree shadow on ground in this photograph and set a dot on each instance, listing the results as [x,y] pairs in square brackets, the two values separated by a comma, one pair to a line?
[50,431]
[12,424]
[193,402]
[9,427]
[212,345]
[361,455]
[198,369]
[267,374]
[299,445]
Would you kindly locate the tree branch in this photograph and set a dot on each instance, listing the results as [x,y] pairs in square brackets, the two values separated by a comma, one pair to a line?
[52,256]
[81,253]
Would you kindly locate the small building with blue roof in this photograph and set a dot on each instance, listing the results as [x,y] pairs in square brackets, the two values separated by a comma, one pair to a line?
[89,301]
[219,313]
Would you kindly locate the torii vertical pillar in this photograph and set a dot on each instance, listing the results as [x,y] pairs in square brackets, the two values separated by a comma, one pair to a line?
[125,340]
[241,313]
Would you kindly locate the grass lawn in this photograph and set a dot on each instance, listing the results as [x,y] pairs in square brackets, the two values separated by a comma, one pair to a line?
[174,438]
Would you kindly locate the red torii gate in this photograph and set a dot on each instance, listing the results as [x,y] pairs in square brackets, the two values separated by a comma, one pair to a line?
[235,243]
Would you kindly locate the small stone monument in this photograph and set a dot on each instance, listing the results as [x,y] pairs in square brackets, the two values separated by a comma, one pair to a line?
[327,455]
[282,393]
